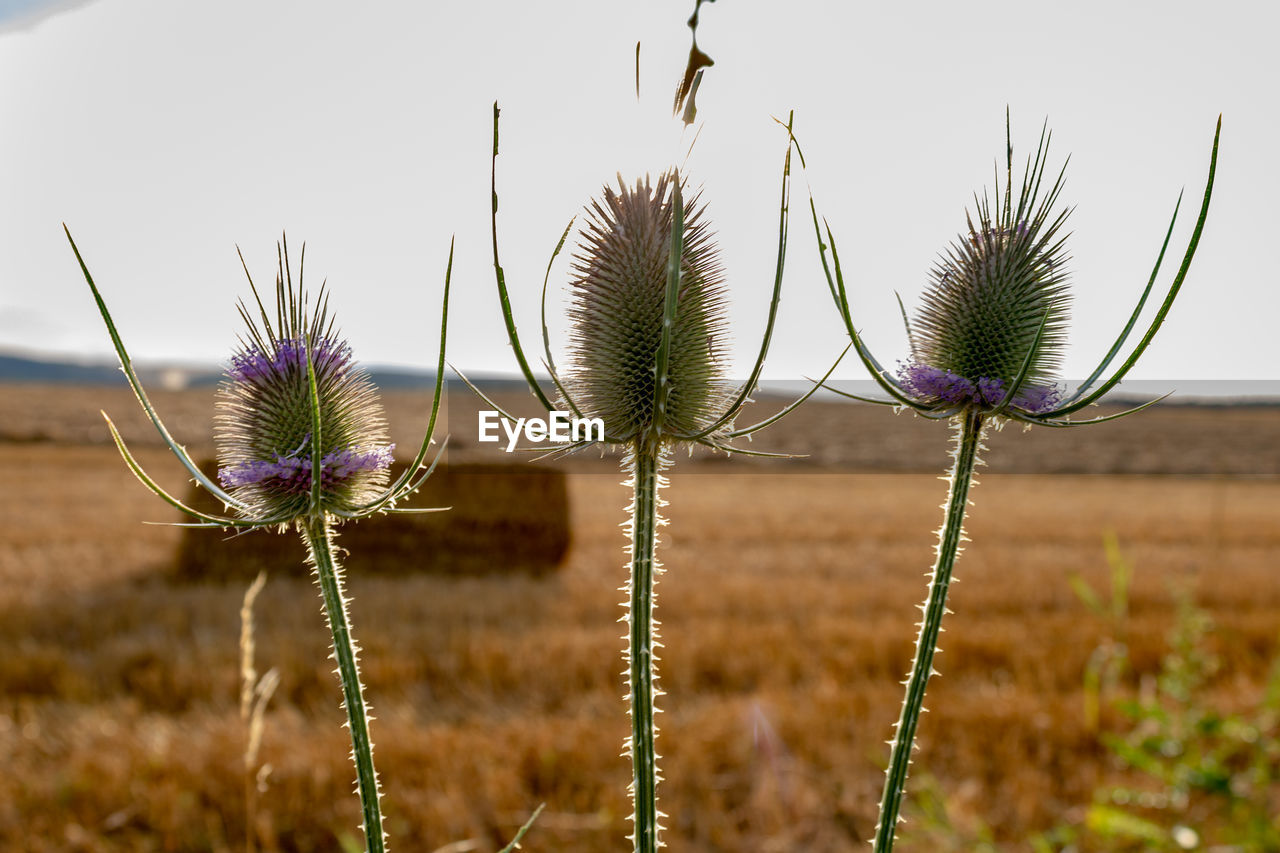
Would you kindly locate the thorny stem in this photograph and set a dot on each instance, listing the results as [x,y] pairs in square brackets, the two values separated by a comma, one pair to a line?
[317,532]
[968,441]
[645,460]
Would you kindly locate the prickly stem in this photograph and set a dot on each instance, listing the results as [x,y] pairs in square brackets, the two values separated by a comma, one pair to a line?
[645,462]
[317,533]
[968,442]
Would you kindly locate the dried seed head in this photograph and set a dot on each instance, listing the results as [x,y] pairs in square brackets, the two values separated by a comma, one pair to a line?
[617,310]
[263,429]
[984,308]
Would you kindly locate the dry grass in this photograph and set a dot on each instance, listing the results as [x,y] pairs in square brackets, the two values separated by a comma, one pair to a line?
[786,612]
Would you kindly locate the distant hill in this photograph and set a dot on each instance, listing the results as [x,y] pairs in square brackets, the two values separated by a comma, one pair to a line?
[18,369]
[51,370]
[21,368]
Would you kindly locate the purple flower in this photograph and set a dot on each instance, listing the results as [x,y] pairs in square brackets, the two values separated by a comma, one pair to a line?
[921,380]
[291,473]
[930,384]
[253,365]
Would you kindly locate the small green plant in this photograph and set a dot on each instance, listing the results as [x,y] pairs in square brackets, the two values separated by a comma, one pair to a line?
[985,347]
[1109,662]
[302,444]
[1201,775]
[933,828]
[646,358]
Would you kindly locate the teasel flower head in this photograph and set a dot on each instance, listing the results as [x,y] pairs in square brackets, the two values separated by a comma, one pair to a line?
[264,428]
[994,316]
[989,335]
[299,430]
[617,316]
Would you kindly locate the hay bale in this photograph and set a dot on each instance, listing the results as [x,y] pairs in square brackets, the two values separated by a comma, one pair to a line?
[504,518]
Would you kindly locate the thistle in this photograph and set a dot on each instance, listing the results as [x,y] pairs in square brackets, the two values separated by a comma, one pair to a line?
[647,357]
[264,430]
[301,443]
[617,319]
[985,346]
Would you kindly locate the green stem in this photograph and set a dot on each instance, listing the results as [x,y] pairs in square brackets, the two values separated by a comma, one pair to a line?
[317,532]
[968,439]
[645,460]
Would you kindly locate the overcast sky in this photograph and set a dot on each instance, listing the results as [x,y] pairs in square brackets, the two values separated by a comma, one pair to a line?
[165,134]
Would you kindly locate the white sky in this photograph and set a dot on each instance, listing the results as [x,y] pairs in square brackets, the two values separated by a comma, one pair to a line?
[164,134]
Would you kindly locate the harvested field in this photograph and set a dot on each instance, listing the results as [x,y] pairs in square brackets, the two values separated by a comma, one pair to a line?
[787,613]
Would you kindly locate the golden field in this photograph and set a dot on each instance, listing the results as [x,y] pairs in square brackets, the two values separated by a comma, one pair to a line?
[787,609]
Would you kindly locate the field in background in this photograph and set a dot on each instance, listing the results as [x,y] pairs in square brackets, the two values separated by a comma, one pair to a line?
[787,613]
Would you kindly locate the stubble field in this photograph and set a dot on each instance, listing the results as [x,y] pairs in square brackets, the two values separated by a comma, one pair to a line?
[787,609]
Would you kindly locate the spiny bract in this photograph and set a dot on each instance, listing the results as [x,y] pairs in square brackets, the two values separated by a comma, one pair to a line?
[263,429]
[617,311]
